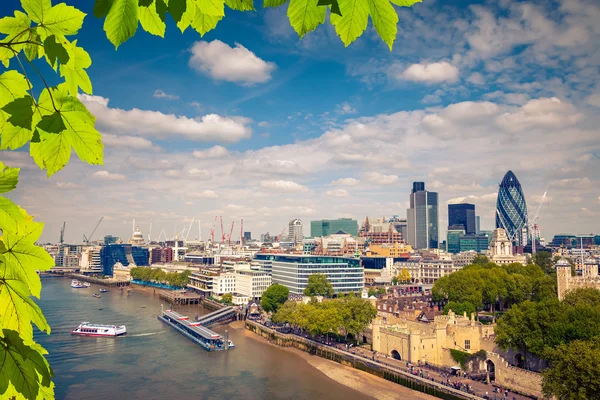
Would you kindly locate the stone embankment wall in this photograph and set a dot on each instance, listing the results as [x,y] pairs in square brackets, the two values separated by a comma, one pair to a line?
[391,374]
[516,379]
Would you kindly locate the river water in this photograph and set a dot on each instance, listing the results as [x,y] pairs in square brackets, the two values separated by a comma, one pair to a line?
[154,362]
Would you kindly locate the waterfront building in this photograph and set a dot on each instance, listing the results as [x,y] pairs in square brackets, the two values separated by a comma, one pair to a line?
[252,283]
[511,210]
[426,270]
[453,238]
[565,282]
[500,249]
[478,243]
[91,263]
[161,255]
[292,270]
[223,283]
[295,231]
[422,217]
[326,227]
[125,254]
[463,215]
[202,282]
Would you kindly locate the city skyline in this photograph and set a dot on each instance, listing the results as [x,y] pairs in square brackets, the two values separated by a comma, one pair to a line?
[297,132]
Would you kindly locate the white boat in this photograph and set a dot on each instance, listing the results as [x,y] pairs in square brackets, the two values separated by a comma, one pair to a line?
[103,290]
[86,284]
[89,329]
[77,284]
[231,345]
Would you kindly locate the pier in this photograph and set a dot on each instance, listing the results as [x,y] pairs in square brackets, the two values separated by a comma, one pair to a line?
[196,332]
[99,281]
[180,297]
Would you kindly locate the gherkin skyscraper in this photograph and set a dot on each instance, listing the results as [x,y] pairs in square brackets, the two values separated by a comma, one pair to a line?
[511,209]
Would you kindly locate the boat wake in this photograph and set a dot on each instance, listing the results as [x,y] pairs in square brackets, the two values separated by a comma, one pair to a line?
[145,334]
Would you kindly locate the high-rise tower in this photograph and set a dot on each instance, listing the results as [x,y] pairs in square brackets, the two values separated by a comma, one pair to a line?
[296,231]
[463,215]
[422,217]
[511,209]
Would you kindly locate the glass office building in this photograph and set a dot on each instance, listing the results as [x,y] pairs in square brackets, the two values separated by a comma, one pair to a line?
[422,218]
[478,243]
[511,210]
[291,270]
[463,215]
[453,238]
[326,227]
[122,253]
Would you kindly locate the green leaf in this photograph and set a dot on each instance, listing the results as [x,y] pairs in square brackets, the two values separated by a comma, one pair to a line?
[24,369]
[11,216]
[13,85]
[74,70]
[161,9]
[151,20]
[177,8]
[20,111]
[12,137]
[335,6]
[121,21]
[101,8]
[385,20]
[33,51]
[211,7]
[273,3]
[14,26]
[54,150]
[23,257]
[145,3]
[203,23]
[353,22]
[405,3]
[241,5]
[305,15]
[55,50]
[9,177]
[63,20]
[18,309]
[37,9]
[52,123]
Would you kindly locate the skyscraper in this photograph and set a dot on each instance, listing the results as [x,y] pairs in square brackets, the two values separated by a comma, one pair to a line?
[422,218]
[296,231]
[511,210]
[326,227]
[464,215]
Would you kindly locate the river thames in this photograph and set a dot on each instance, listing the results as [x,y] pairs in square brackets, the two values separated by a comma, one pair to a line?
[154,362]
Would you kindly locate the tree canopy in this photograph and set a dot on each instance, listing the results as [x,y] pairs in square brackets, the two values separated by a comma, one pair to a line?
[274,297]
[318,285]
[147,274]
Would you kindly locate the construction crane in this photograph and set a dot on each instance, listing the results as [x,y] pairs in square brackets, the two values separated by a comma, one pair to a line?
[532,223]
[212,231]
[222,231]
[242,232]
[230,233]
[150,232]
[189,229]
[62,234]
[281,234]
[87,240]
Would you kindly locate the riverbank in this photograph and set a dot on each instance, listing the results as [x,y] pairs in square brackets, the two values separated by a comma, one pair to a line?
[363,382]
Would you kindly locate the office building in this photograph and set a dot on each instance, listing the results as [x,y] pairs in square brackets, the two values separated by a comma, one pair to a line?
[161,255]
[463,215]
[425,270]
[123,254]
[91,262]
[295,231]
[251,283]
[453,238]
[477,224]
[326,227]
[422,218]
[511,210]
[247,236]
[110,239]
[291,270]
[478,243]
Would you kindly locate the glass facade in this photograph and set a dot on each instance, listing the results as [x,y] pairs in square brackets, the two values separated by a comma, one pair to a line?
[326,227]
[345,274]
[478,243]
[453,238]
[511,209]
[422,218]
[464,215]
[124,254]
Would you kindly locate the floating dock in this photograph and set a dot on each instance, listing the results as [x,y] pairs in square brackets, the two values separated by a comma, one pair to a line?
[194,331]
[180,297]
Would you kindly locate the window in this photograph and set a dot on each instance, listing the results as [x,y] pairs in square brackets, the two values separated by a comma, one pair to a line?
[467,345]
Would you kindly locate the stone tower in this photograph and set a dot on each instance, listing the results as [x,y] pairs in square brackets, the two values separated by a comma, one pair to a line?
[563,276]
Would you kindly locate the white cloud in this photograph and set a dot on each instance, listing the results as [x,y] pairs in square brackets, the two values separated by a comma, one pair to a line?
[211,127]
[264,124]
[234,64]
[213,152]
[67,185]
[345,182]
[476,78]
[337,193]
[543,112]
[128,142]
[431,72]
[380,179]
[196,105]
[283,186]
[345,108]
[159,94]
[205,194]
[594,100]
[489,199]
[108,176]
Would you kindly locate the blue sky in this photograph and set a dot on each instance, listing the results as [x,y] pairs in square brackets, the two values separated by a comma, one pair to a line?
[252,122]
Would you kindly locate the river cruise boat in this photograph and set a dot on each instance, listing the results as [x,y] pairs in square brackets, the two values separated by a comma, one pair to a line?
[103,290]
[77,284]
[194,331]
[96,295]
[89,329]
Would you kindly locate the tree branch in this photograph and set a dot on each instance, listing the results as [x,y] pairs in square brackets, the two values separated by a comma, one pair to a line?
[45,84]
[26,76]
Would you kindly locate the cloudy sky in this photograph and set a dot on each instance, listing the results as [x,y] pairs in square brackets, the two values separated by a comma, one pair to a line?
[251,122]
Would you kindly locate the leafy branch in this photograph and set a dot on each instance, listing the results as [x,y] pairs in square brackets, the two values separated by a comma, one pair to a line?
[56,123]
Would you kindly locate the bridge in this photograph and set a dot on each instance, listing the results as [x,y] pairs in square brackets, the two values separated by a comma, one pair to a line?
[221,315]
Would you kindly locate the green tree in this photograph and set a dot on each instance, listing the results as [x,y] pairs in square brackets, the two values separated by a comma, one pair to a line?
[318,285]
[459,308]
[227,298]
[573,371]
[286,313]
[356,314]
[274,297]
[372,292]
[395,280]
[55,123]
[544,260]
[480,259]
[381,291]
